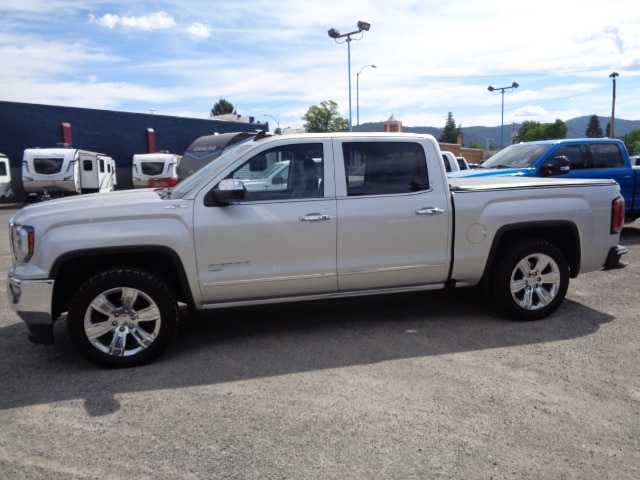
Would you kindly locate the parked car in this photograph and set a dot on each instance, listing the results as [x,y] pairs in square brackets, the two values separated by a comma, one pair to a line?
[462,163]
[273,178]
[450,161]
[605,158]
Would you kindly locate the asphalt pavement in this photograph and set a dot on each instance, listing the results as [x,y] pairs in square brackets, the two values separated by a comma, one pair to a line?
[414,386]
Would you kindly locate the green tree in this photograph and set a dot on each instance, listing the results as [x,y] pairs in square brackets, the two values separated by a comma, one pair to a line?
[223,107]
[632,141]
[558,129]
[537,132]
[450,132]
[531,131]
[594,130]
[325,118]
[474,145]
[524,129]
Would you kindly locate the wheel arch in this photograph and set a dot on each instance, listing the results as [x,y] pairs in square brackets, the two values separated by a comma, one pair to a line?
[563,234]
[71,270]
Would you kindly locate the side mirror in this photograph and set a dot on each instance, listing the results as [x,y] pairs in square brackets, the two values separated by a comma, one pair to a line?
[556,166]
[228,190]
[278,180]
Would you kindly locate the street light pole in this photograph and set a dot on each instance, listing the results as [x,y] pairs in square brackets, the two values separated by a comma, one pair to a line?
[349,73]
[358,92]
[502,90]
[612,129]
[274,119]
[335,34]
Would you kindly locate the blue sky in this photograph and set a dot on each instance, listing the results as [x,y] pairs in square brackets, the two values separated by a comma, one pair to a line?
[273,60]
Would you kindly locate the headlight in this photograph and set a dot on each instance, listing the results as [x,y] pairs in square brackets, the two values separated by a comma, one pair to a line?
[22,241]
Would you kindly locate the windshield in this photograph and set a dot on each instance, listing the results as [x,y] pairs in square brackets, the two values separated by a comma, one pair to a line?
[202,176]
[516,156]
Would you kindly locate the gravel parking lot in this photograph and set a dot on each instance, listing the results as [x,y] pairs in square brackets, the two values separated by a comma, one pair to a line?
[417,386]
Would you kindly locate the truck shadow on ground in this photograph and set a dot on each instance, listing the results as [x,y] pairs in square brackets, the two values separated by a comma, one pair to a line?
[257,342]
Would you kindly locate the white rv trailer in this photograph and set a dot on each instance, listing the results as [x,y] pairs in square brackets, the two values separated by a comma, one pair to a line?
[56,172]
[5,177]
[155,169]
[207,148]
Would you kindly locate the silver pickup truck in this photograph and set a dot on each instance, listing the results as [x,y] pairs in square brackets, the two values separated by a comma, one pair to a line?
[357,214]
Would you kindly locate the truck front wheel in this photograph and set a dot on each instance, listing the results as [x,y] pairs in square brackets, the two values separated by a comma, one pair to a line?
[122,318]
[530,279]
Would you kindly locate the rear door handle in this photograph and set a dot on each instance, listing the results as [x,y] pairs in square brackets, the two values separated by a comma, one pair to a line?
[315,217]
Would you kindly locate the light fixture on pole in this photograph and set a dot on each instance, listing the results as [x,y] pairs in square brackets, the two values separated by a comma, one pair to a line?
[358,92]
[274,118]
[335,34]
[612,129]
[502,90]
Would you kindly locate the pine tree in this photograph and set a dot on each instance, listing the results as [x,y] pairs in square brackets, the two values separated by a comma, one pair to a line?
[450,132]
[594,130]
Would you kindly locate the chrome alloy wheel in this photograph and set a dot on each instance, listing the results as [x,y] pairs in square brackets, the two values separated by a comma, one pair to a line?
[122,321]
[535,281]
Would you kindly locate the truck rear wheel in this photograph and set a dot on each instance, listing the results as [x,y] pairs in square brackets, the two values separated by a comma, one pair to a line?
[122,318]
[530,279]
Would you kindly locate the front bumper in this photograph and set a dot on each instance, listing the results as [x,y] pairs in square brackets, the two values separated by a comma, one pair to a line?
[32,300]
[614,260]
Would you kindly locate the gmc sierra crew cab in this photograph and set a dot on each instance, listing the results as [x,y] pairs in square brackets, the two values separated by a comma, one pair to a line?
[357,214]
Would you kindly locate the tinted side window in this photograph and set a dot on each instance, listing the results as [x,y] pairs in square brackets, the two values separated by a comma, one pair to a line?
[606,155]
[384,168]
[284,172]
[574,154]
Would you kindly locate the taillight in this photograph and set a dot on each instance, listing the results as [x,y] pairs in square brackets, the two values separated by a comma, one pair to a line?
[617,215]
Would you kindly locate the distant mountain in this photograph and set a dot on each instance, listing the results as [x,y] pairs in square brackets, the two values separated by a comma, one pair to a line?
[491,135]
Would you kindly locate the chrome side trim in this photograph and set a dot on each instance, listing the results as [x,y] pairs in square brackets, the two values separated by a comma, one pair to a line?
[322,296]
[392,269]
[272,279]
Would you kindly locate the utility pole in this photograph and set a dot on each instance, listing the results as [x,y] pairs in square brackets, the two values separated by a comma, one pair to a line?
[612,130]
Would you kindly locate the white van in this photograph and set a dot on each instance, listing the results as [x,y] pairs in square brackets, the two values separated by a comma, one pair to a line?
[155,169]
[5,177]
[56,172]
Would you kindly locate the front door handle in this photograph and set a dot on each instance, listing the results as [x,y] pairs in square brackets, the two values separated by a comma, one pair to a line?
[429,211]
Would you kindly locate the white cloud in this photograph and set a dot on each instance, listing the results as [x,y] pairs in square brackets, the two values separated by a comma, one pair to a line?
[530,111]
[432,58]
[154,21]
[199,30]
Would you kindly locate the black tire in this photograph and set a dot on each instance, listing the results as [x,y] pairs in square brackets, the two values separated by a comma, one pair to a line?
[529,280]
[122,318]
